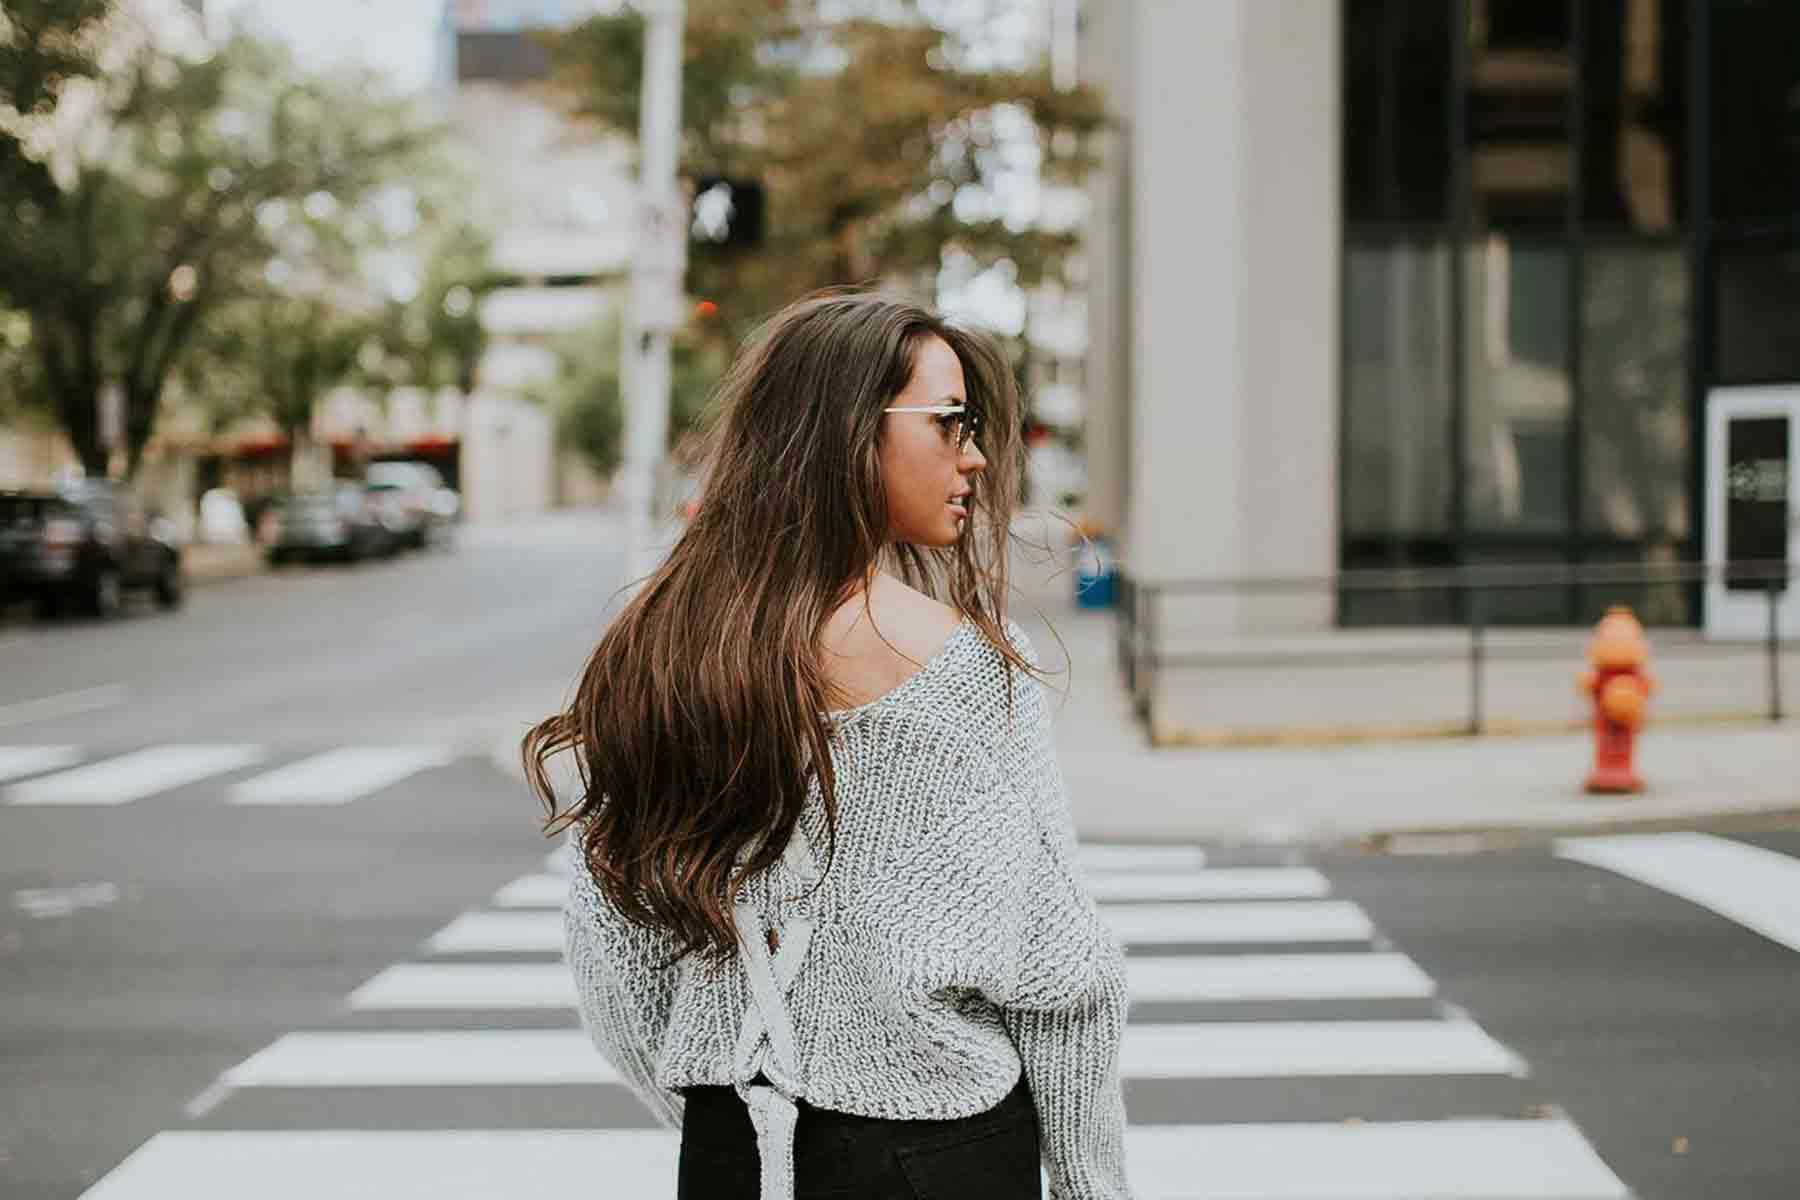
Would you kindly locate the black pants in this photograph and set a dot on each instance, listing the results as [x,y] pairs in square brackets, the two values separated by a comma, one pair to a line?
[989,1156]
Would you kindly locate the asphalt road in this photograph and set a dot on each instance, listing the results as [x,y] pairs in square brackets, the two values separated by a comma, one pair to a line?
[252,975]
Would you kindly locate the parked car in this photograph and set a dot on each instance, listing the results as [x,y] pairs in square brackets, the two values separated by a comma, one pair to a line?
[83,545]
[428,510]
[345,522]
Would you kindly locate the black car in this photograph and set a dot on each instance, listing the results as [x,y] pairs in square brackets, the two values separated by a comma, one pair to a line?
[82,546]
[345,522]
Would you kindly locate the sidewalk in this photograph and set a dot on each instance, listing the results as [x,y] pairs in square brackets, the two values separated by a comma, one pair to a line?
[204,562]
[1411,794]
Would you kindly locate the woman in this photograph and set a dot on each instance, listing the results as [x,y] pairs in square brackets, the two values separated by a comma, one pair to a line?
[824,914]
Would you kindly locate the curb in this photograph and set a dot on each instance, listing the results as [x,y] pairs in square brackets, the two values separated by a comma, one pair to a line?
[217,564]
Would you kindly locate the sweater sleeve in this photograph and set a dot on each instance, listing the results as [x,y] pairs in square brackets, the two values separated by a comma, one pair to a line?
[603,952]
[1067,1020]
[994,901]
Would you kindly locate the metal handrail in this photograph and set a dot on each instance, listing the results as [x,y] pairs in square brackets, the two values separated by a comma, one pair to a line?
[1141,656]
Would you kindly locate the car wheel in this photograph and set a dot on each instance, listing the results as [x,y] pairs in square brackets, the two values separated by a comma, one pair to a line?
[106,593]
[278,558]
[169,586]
[48,606]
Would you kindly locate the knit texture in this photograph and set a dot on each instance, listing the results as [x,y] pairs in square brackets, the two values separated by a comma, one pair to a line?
[953,943]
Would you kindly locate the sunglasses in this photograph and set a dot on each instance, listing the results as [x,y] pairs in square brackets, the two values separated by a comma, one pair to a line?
[958,420]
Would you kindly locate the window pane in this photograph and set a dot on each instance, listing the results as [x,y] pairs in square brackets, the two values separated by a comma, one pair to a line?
[1397,110]
[1759,314]
[1521,74]
[1634,85]
[1662,598]
[1634,401]
[1397,389]
[1755,109]
[1517,386]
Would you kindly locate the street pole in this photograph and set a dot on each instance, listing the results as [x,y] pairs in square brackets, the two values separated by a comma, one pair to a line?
[658,262]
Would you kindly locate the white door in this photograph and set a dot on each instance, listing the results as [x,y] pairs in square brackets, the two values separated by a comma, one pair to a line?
[1752,510]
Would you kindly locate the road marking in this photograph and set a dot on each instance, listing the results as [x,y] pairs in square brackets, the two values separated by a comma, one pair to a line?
[1206,1050]
[533,891]
[1757,888]
[60,902]
[339,776]
[500,933]
[1114,856]
[468,986]
[1446,1160]
[1228,883]
[1195,978]
[469,1058]
[1271,977]
[528,931]
[34,760]
[1287,1049]
[1221,883]
[133,776]
[1239,922]
[63,704]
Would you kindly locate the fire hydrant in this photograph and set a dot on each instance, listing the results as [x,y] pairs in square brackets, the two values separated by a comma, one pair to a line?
[1620,683]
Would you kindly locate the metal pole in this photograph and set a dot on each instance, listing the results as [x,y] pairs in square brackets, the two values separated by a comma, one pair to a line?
[658,263]
[1477,656]
[1774,642]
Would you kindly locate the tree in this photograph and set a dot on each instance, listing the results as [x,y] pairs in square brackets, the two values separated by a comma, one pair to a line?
[153,210]
[584,394]
[878,144]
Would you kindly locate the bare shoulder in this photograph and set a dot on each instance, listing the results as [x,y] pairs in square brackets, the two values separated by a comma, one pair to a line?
[870,652]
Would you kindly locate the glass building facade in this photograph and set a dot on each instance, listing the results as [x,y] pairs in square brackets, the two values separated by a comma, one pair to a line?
[1564,221]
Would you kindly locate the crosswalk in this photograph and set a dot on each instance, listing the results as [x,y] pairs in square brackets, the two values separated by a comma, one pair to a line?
[71,776]
[1277,1047]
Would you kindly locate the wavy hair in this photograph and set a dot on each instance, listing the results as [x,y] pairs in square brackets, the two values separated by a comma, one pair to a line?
[701,715]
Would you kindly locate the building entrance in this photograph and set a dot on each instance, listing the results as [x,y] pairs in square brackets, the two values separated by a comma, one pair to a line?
[1752,510]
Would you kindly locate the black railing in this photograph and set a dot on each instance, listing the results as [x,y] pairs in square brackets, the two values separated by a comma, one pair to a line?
[1143,658]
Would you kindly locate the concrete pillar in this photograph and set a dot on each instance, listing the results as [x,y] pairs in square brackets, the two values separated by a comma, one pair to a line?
[1217,295]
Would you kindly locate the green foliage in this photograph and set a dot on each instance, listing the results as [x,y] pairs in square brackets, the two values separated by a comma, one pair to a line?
[586,394]
[863,133]
[204,183]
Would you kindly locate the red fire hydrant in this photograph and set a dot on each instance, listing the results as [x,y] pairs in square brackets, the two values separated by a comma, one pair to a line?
[1620,683]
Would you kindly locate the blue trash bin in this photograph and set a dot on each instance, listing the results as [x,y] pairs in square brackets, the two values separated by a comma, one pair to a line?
[1095,573]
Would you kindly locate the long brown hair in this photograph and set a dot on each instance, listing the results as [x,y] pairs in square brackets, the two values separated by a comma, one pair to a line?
[700,716]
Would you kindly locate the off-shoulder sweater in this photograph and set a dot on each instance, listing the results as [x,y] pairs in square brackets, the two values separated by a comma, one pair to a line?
[952,945]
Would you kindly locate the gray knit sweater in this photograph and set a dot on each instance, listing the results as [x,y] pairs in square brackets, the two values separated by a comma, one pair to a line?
[952,945]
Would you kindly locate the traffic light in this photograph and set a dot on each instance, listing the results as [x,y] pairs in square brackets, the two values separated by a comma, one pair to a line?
[727,213]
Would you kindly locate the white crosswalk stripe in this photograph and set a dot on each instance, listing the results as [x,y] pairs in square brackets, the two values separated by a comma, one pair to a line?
[133,776]
[1217,978]
[17,761]
[339,776]
[1445,1160]
[43,776]
[1233,959]
[1226,883]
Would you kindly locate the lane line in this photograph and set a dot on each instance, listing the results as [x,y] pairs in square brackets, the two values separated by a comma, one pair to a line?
[1092,856]
[1757,888]
[1446,1160]
[1204,1050]
[133,776]
[1277,977]
[1289,1049]
[1116,856]
[1192,978]
[339,776]
[16,761]
[63,704]
[528,931]
[1223,883]
[1235,922]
